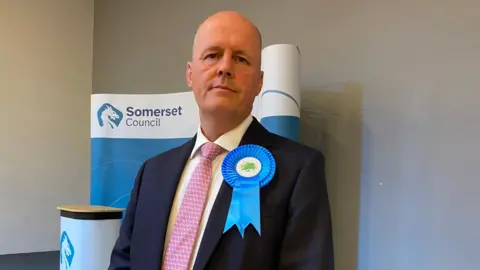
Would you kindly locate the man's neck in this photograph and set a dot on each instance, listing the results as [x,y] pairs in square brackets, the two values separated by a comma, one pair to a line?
[215,126]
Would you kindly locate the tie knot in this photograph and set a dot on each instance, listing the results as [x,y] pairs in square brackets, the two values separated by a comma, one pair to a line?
[211,150]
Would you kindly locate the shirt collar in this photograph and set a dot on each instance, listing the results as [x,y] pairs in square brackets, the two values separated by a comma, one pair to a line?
[227,141]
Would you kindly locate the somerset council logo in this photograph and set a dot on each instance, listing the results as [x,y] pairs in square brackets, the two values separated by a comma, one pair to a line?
[66,251]
[108,116]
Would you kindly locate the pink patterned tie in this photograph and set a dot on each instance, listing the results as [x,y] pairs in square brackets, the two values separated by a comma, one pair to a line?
[184,231]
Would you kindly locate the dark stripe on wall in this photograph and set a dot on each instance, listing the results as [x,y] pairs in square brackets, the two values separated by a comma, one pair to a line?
[31,261]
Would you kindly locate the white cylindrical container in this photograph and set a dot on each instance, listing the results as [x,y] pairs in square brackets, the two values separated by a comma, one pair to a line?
[278,105]
[87,236]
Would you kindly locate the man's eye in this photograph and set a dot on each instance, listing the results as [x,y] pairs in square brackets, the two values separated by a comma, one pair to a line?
[212,55]
[240,59]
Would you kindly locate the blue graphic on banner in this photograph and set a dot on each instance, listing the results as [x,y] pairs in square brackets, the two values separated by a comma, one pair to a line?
[284,125]
[109,116]
[115,164]
[67,251]
[115,161]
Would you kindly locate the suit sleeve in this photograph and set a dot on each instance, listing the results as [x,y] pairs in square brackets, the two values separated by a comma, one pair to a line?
[120,256]
[308,240]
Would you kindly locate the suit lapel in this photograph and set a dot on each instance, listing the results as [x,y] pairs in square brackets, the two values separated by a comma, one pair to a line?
[255,134]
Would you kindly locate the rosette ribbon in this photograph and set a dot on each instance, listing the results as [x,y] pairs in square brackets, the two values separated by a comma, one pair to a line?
[246,169]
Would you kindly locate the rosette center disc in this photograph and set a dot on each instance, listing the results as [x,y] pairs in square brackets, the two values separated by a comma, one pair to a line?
[249,167]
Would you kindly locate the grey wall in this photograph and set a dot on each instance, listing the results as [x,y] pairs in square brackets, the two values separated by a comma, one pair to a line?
[390,94]
[46,52]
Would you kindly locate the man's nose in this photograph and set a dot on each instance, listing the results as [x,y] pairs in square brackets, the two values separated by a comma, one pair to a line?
[225,68]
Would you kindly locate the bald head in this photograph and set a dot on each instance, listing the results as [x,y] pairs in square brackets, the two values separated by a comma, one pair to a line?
[225,71]
[225,22]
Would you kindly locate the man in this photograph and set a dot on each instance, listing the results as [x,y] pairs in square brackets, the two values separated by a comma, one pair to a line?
[176,216]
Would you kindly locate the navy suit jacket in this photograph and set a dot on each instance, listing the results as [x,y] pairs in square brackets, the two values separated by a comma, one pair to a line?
[296,230]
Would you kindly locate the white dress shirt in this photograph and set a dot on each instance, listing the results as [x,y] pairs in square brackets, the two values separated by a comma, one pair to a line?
[228,141]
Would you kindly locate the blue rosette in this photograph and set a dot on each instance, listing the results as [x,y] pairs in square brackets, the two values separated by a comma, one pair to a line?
[246,169]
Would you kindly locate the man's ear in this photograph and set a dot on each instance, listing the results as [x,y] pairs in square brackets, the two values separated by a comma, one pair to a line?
[260,83]
[188,74]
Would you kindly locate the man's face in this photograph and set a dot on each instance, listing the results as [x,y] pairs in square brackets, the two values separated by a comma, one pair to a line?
[225,71]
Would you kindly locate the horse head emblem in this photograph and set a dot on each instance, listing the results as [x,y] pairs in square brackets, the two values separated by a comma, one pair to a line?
[109,116]
[66,251]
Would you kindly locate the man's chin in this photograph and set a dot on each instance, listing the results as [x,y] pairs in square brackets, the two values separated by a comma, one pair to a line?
[221,106]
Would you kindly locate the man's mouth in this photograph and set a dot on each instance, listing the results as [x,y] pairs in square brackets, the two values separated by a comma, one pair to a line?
[223,87]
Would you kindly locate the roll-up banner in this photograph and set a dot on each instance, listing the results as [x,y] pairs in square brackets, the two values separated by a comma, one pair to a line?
[128,129]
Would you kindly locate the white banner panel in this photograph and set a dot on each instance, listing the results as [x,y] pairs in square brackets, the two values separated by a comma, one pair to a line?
[279,102]
[126,130]
[159,116]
